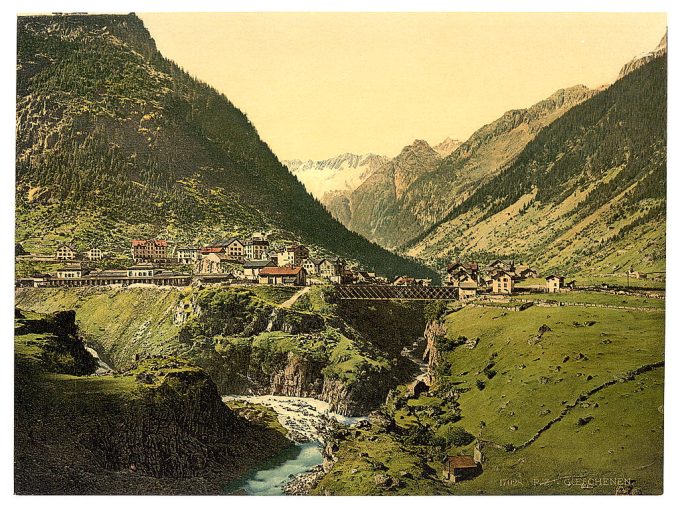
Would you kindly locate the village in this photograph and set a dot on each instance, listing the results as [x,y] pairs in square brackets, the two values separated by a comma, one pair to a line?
[256,261]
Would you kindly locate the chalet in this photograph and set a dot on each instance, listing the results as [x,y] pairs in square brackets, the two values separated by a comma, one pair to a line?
[311,266]
[460,467]
[467,290]
[554,283]
[282,276]
[501,283]
[458,268]
[501,265]
[292,255]
[256,247]
[252,268]
[149,250]
[459,276]
[526,272]
[94,253]
[328,268]
[187,255]
[19,250]
[638,275]
[141,270]
[231,247]
[65,252]
[71,271]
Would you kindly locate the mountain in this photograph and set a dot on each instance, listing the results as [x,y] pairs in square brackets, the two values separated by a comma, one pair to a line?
[343,173]
[643,59]
[114,141]
[415,190]
[586,194]
[447,146]
[483,155]
[375,206]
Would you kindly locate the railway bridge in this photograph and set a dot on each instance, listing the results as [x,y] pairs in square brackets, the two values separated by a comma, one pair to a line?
[400,292]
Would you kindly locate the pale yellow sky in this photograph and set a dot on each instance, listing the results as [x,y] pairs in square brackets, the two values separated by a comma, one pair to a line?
[319,84]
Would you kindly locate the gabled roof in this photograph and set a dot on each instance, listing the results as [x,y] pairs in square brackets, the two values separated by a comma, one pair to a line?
[251,264]
[223,243]
[69,246]
[280,271]
[551,276]
[461,461]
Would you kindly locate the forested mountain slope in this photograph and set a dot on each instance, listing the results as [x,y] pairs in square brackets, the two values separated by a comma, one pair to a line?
[114,141]
[586,194]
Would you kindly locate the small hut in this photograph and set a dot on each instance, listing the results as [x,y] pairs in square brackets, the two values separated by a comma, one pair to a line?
[460,467]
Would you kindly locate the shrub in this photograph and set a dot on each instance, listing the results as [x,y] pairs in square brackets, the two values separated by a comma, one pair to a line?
[457,436]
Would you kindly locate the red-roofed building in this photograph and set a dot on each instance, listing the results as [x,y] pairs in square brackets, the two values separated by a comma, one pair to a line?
[283,276]
[149,250]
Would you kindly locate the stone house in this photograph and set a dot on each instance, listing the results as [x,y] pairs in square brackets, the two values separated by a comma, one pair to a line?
[457,269]
[460,467]
[256,248]
[501,283]
[282,276]
[467,290]
[232,247]
[311,266]
[292,255]
[215,263]
[65,252]
[554,283]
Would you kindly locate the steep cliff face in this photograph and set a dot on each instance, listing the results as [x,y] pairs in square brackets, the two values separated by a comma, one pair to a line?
[160,427]
[347,355]
[376,210]
[484,155]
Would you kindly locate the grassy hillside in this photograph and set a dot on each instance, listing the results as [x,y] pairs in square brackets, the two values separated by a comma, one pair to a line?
[563,400]
[114,141]
[587,194]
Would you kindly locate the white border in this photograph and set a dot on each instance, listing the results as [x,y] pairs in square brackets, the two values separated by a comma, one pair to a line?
[8,35]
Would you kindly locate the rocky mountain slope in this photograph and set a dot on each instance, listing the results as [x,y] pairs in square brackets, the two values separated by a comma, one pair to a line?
[158,428]
[586,194]
[114,141]
[375,206]
[408,194]
[640,60]
[347,354]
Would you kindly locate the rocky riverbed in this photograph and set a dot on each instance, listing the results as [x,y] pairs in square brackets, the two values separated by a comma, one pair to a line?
[308,421]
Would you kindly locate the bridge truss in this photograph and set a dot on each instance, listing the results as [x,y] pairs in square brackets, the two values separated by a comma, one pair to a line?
[387,292]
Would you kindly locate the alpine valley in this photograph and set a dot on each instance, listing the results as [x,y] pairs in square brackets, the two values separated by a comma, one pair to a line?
[195,316]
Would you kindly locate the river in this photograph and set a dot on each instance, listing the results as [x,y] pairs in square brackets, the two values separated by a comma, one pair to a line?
[306,420]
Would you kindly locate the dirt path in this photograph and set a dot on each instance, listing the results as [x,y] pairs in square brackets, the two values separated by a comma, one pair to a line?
[292,299]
